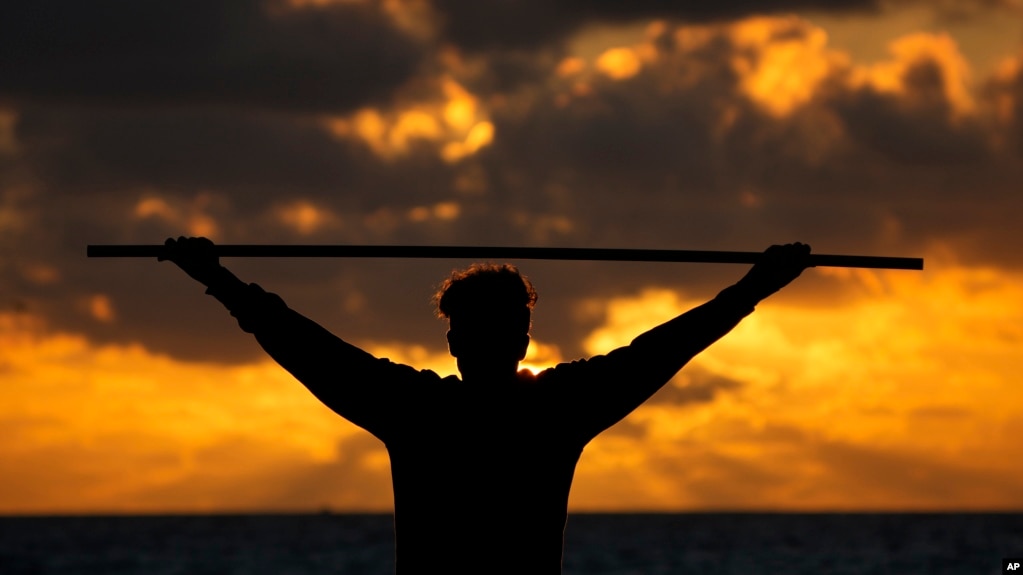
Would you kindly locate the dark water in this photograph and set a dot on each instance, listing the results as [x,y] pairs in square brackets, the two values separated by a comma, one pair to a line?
[620,544]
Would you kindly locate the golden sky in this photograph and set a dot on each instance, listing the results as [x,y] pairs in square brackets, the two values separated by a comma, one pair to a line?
[881,128]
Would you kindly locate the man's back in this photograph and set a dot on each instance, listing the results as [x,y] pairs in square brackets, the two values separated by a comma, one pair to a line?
[482,474]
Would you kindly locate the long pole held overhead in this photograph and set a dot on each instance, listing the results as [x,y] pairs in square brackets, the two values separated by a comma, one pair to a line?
[504,253]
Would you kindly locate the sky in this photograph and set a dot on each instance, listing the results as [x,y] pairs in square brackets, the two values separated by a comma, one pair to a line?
[872,127]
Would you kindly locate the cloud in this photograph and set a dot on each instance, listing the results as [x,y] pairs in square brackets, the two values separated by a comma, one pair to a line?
[525,25]
[450,118]
[693,386]
[881,401]
[607,124]
[697,147]
[236,53]
[240,473]
[916,108]
[918,481]
[117,428]
[1005,90]
[726,153]
[954,11]
[153,174]
[862,398]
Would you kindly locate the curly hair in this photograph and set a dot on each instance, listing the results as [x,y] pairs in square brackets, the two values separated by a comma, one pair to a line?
[496,288]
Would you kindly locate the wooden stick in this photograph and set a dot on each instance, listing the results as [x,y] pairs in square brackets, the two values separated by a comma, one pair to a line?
[504,253]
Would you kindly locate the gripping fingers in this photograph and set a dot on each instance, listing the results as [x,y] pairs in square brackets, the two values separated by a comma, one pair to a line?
[169,249]
[185,249]
[798,254]
[795,257]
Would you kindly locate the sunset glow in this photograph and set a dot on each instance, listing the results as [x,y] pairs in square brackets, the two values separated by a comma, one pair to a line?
[903,375]
[787,60]
[865,128]
[453,120]
[917,49]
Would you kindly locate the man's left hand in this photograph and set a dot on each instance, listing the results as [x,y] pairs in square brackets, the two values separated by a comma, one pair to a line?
[779,265]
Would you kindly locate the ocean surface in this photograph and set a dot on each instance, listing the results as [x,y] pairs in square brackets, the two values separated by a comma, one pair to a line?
[595,544]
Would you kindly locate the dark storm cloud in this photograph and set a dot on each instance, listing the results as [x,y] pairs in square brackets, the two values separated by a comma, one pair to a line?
[643,162]
[958,11]
[1007,91]
[253,157]
[526,24]
[91,167]
[913,128]
[635,165]
[629,139]
[892,177]
[944,176]
[218,52]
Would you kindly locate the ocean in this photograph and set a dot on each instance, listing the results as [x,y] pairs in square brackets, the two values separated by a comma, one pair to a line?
[595,544]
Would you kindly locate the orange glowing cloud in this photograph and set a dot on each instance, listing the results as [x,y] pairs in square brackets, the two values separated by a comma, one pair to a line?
[455,122]
[782,61]
[904,397]
[441,211]
[815,406]
[40,273]
[118,428]
[570,66]
[305,217]
[101,308]
[913,49]
[87,428]
[1005,76]
[619,63]
[193,216]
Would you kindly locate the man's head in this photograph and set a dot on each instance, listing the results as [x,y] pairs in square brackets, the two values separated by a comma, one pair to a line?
[488,308]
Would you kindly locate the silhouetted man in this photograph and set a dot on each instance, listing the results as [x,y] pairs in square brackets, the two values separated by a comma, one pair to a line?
[481,466]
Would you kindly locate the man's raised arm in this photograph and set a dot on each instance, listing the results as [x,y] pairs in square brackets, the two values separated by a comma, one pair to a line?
[626,377]
[345,378]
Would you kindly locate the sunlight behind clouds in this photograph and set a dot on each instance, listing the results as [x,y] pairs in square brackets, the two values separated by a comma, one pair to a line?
[419,122]
[194,216]
[306,217]
[619,63]
[916,49]
[782,61]
[921,367]
[452,120]
[117,424]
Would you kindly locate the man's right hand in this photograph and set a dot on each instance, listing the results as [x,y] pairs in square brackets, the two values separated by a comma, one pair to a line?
[194,255]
